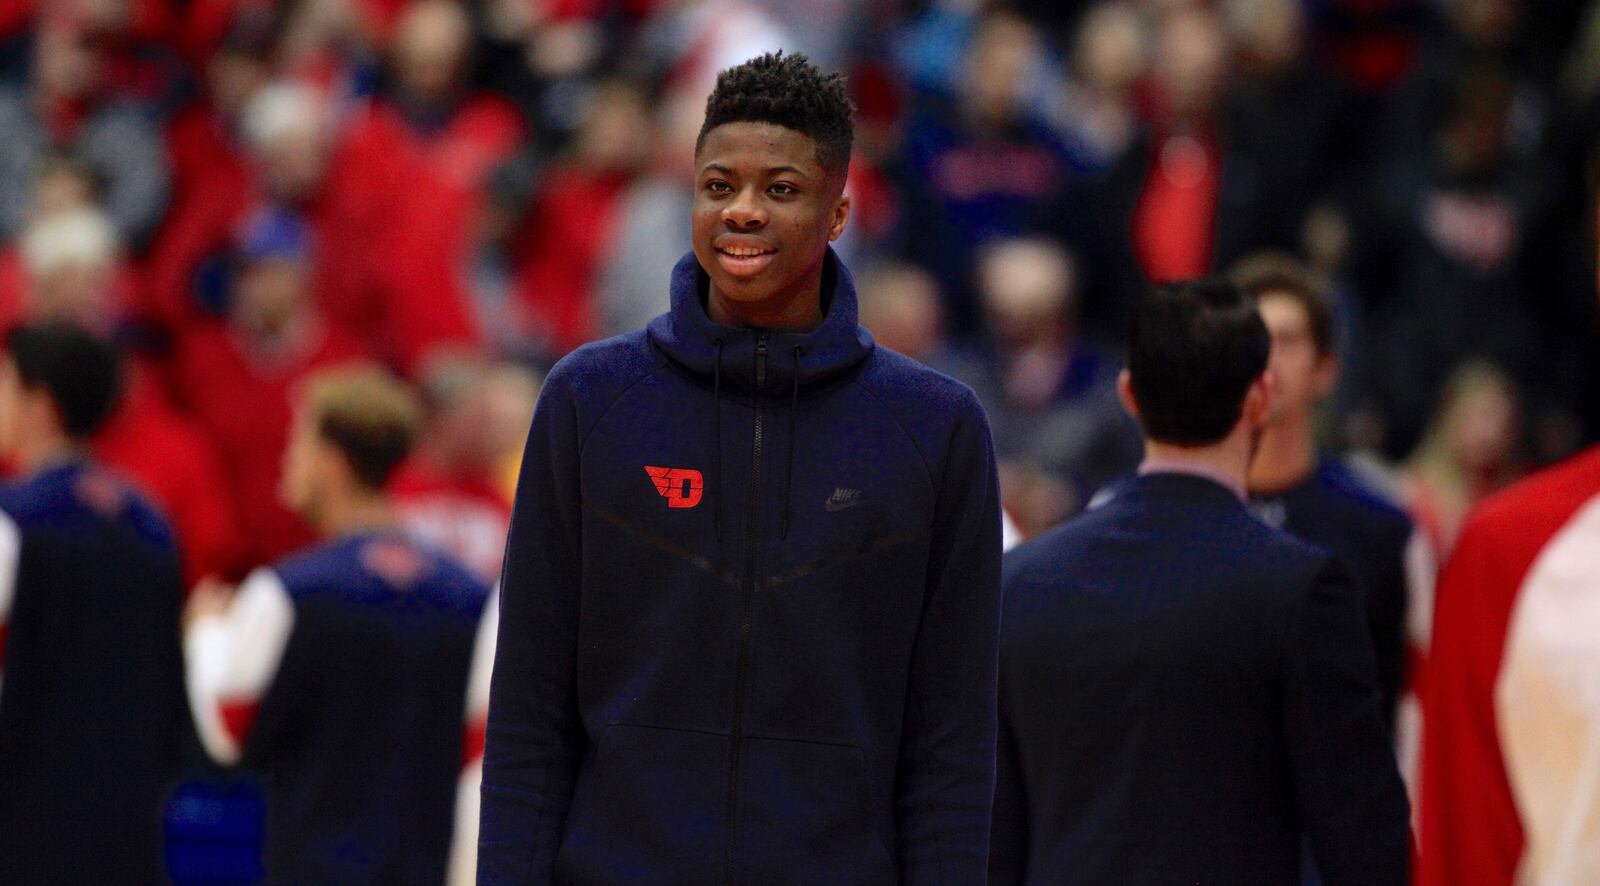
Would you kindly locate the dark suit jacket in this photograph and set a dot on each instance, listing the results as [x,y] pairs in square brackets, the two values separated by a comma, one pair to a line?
[1184,692]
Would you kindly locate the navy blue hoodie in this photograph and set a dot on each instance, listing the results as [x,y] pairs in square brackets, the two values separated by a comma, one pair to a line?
[92,716]
[749,617]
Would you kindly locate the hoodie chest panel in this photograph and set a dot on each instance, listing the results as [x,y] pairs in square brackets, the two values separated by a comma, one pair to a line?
[857,486]
[655,624]
[661,592]
[840,601]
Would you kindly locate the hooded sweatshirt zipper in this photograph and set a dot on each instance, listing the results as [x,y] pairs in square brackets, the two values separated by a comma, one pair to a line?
[746,603]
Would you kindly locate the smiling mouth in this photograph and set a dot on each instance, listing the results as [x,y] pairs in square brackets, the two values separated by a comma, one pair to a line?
[744,260]
[743,251]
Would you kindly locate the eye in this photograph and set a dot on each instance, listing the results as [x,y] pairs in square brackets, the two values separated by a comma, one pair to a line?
[718,186]
[782,189]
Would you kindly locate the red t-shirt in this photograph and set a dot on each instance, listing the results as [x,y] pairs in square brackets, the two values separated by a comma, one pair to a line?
[214,189]
[573,223]
[1509,720]
[430,303]
[247,406]
[173,461]
[1176,215]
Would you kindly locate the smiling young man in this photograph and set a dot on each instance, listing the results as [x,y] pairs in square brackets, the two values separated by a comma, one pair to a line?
[750,597]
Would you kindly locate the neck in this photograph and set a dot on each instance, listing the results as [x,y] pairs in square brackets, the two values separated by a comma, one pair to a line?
[798,309]
[359,512]
[1227,462]
[1286,457]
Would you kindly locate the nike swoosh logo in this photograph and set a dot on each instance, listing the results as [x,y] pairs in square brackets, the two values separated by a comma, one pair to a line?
[841,499]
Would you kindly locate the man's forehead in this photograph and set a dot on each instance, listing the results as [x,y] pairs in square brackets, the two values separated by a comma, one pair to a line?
[768,146]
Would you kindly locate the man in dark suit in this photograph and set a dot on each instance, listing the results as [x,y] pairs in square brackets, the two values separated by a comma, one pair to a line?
[1185,691]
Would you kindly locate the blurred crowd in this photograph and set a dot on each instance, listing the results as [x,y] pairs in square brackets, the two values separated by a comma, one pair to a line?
[240,192]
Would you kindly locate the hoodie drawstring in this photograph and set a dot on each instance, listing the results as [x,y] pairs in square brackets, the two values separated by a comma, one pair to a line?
[788,473]
[716,437]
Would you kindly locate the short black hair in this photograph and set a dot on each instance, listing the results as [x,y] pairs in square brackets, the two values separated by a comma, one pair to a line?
[371,417]
[1194,348]
[1278,274]
[81,373]
[788,91]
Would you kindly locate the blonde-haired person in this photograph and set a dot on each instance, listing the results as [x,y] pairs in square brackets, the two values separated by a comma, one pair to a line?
[341,671]
[1468,452]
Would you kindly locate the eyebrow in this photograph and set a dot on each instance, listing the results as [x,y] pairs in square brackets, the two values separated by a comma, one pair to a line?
[770,171]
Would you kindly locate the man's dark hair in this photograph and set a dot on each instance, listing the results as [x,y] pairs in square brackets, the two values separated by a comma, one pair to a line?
[1194,348]
[1278,274]
[786,90]
[81,373]
[370,416]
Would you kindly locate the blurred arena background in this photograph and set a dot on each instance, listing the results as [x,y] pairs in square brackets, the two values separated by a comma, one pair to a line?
[240,193]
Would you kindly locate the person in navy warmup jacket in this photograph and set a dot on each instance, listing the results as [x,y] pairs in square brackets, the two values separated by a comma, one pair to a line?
[750,601]
[1184,691]
[92,718]
[340,673]
[1318,499]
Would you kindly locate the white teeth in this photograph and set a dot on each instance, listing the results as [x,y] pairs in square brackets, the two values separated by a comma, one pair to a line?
[743,252]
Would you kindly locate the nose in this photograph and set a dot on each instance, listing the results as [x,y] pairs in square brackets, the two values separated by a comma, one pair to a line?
[744,211]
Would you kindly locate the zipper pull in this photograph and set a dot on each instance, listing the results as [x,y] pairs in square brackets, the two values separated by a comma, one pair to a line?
[761,360]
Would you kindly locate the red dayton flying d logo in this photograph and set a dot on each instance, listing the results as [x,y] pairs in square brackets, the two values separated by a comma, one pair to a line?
[681,487]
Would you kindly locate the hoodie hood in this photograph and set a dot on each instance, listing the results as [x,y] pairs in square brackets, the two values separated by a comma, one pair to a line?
[726,355]
[690,338]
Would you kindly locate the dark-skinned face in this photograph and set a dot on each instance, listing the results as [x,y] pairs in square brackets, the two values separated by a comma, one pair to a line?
[764,212]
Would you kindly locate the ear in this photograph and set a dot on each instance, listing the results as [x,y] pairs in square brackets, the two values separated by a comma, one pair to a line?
[329,463]
[1258,400]
[841,215]
[1130,403]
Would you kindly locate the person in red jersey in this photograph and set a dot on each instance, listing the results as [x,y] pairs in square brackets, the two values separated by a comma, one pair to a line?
[1511,716]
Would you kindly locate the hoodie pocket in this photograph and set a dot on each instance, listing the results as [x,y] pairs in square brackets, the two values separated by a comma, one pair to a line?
[651,809]
[804,816]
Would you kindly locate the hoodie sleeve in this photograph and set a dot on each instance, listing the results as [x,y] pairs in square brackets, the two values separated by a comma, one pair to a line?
[1346,781]
[1008,850]
[534,738]
[945,781]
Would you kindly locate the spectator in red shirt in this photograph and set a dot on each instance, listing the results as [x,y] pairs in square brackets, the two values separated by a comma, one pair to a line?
[575,219]
[458,134]
[238,374]
[212,180]
[455,138]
